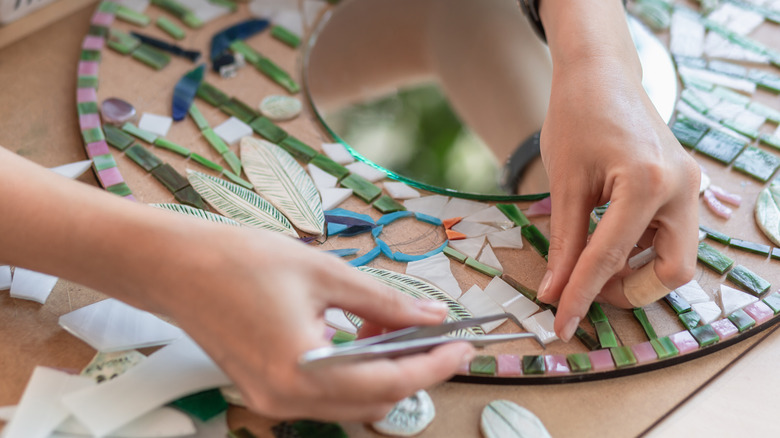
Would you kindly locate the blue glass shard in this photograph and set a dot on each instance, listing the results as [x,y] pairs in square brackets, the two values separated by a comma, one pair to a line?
[366,258]
[184,92]
[192,55]
[388,218]
[343,252]
[243,30]
[429,219]
[406,258]
[334,228]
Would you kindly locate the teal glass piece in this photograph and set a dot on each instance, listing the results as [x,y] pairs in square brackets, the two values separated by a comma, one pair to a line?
[536,239]
[116,137]
[490,271]
[755,248]
[142,157]
[152,57]
[455,255]
[773,301]
[189,196]
[689,133]
[197,117]
[678,303]
[240,110]
[514,214]
[87,108]
[170,178]
[689,319]
[139,133]
[120,189]
[284,35]
[298,149]
[215,141]
[596,313]
[742,320]
[606,335]
[171,146]
[330,166]
[203,161]
[705,335]
[748,280]
[342,337]
[264,127]
[713,259]
[579,362]
[103,162]
[386,204]
[719,146]
[361,187]
[644,321]
[203,405]
[130,16]
[483,365]
[587,340]
[315,429]
[623,356]
[92,135]
[533,365]
[715,235]
[122,42]
[664,347]
[428,219]
[276,74]
[233,162]
[87,82]
[757,163]
[212,94]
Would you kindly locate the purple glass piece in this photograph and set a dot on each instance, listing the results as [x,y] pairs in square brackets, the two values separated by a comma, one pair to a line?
[116,111]
[130,198]
[88,68]
[92,42]
[556,364]
[110,177]
[86,95]
[644,352]
[724,328]
[759,311]
[601,360]
[97,148]
[684,341]
[508,365]
[89,121]
[103,19]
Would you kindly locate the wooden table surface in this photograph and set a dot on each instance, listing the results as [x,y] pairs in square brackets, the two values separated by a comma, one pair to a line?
[38,120]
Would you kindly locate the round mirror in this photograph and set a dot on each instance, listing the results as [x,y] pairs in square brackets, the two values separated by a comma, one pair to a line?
[447,95]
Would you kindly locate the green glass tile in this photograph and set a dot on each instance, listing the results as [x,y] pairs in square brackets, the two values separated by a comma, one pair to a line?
[239,110]
[705,335]
[455,254]
[755,248]
[189,196]
[316,429]
[664,347]
[171,146]
[101,31]
[361,187]
[142,157]
[298,149]
[713,259]
[694,101]
[175,8]
[323,162]
[211,94]
[265,127]
[536,239]
[678,303]
[773,301]
[728,68]
[130,16]
[514,214]
[250,55]
[715,235]
[152,57]
[203,405]
[276,74]
[730,96]
[87,82]
[689,319]
[170,178]
[87,108]
[757,163]
[103,162]
[748,280]
[742,320]
[606,335]
[90,55]
[596,313]
[770,113]
[484,365]
[109,7]
[644,321]
[525,291]
[741,128]
[170,28]
[137,132]
[197,116]
[766,80]
[775,254]
[533,365]
[242,432]
[121,189]
[386,204]
[203,161]
[285,36]
[227,4]
[490,271]
[579,362]
[688,133]
[719,146]
[587,340]
[116,137]
[92,135]
[342,337]
[238,180]
[232,161]
[122,42]
[623,356]
[770,140]
[215,141]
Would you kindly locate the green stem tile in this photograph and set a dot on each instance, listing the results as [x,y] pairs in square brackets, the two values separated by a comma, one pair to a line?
[514,214]
[536,239]
[238,180]
[239,110]
[139,133]
[152,57]
[250,55]
[579,362]
[484,365]
[755,248]
[120,189]
[205,162]
[596,313]
[623,356]
[171,146]
[232,161]
[285,36]
[689,319]
[203,405]
[190,197]
[121,42]
[298,149]
[264,127]
[142,157]
[715,235]
[215,141]
[95,30]
[386,204]
[644,321]
[170,28]
[525,291]
[455,254]
[775,254]
[533,365]
[323,162]
[90,55]
[748,280]
[212,94]
[130,16]
[773,301]
[342,337]
[741,128]
[606,335]
[483,268]
[170,178]
[103,162]
[587,340]
[713,259]
[678,303]
[770,140]
[705,335]
[198,118]
[664,347]
[770,113]
[116,137]
[742,320]
[361,187]
[276,74]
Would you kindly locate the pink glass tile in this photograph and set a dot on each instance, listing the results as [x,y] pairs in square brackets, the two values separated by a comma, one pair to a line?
[759,311]
[88,68]
[132,198]
[684,341]
[110,177]
[92,42]
[556,364]
[508,365]
[601,360]
[86,95]
[644,352]
[724,328]
[89,121]
[103,19]
[329,331]
[97,148]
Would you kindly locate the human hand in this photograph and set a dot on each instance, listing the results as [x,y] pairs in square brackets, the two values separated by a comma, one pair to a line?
[604,141]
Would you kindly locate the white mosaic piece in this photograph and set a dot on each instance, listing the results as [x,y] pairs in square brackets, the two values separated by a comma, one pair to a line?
[5,277]
[489,258]
[712,77]
[155,123]
[31,285]
[511,238]
[72,170]
[399,190]
[491,216]
[368,172]
[521,307]
[480,304]
[686,34]
[732,299]
[322,179]
[543,324]
[718,47]
[738,20]
[436,270]
[693,293]
[500,291]
[458,207]
[470,247]
[337,152]
[232,130]
[429,205]
[332,198]
[473,229]
[205,10]
[338,320]
[709,311]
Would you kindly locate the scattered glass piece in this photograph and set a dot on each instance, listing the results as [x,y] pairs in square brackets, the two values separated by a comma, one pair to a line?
[150,56]
[386,204]
[713,259]
[724,196]
[709,311]
[436,270]
[184,91]
[579,362]
[338,153]
[286,36]
[715,235]
[130,16]
[399,190]
[514,214]
[724,328]
[767,211]
[6,278]
[508,365]
[605,334]
[748,280]
[752,247]
[184,152]
[203,405]
[368,172]
[211,94]
[361,187]
[542,324]
[521,307]
[31,285]
[169,177]
[596,313]
[491,216]
[223,39]
[408,417]
[458,207]
[688,133]
[429,205]
[322,179]
[480,304]
[332,198]
[736,19]
[511,238]
[366,258]
[233,130]
[116,111]
[137,132]
[451,222]
[686,34]
[72,170]
[540,208]
[142,157]
[684,341]
[759,311]
[692,292]
[482,268]
[454,254]
[693,74]
[336,319]
[719,146]
[644,352]
[240,110]
[537,240]
[170,28]
[278,108]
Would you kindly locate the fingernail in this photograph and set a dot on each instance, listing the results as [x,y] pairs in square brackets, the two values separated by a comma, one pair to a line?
[570,328]
[544,286]
[431,306]
[465,361]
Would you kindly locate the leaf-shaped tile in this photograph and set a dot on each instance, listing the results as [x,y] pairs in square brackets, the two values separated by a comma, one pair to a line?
[198,213]
[422,290]
[768,211]
[284,183]
[240,204]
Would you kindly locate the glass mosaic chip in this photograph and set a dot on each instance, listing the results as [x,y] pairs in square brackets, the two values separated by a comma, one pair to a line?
[169,177]
[732,299]
[757,163]
[715,235]
[623,356]
[514,214]
[678,303]
[724,328]
[508,365]
[601,360]
[276,74]
[232,130]
[332,198]
[684,341]
[542,324]
[399,190]
[298,149]
[705,335]
[664,347]
[596,313]
[103,162]
[171,146]
[203,405]
[748,280]
[537,240]
[556,364]
[533,365]
[184,92]
[759,311]
[342,337]
[482,268]
[155,124]
[755,248]
[203,161]
[116,137]
[641,316]
[245,113]
[170,28]
[87,82]
[361,187]
[689,133]
[197,117]
[92,135]
[720,146]
[215,141]
[122,42]
[189,196]
[644,352]
[766,80]
[480,304]
[142,157]
[87,108]
[713,259]
[137,132]
[121,189]
[264,127]
[454,254]
[587,340]
[429,205]
[483,365]
[578,362]
[436,270]
[212,94]
[386,204]
[605,334]
[692,292]
[31,285]
[690,319]
[285,36]
[773,301]
[709,311]
[150,56]
[488,257]
[126,14]
[741,320]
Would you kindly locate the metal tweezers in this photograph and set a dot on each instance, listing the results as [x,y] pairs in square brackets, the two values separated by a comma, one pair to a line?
[412,340]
